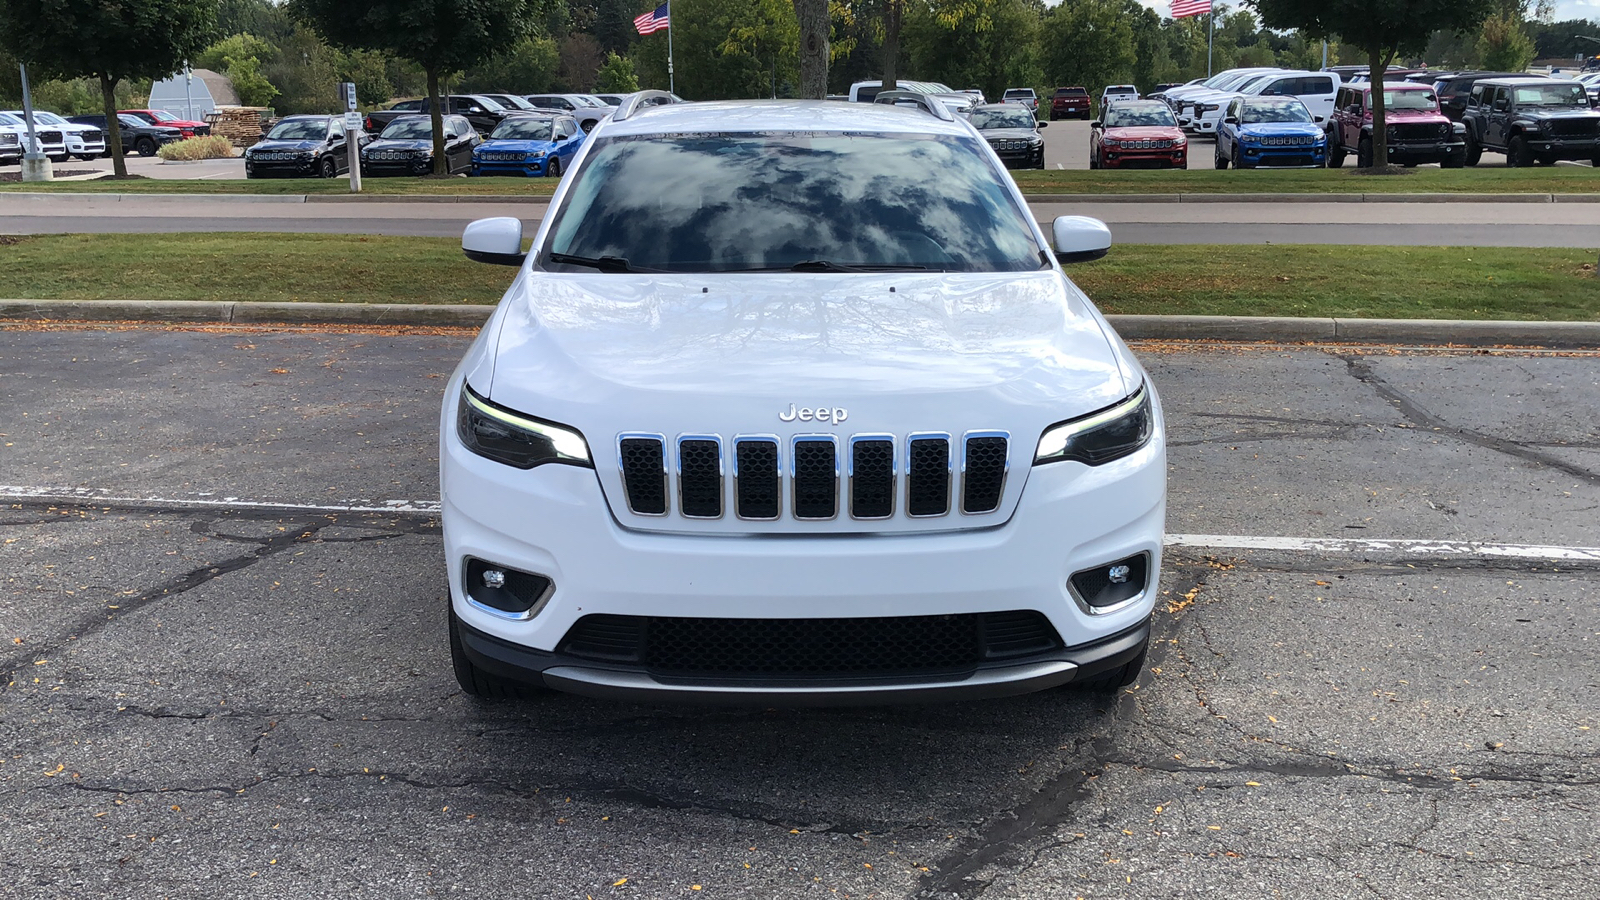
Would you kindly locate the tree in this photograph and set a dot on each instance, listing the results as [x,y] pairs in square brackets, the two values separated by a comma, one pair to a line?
[527,68]
[106,40]
[580,62]
[987,44]
[1088,43]
[441,36]
[1382,30]
[1503,43]
[815,26]
[252,87]
[616,76]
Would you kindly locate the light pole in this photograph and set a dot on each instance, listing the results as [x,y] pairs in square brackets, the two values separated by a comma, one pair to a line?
[35,165]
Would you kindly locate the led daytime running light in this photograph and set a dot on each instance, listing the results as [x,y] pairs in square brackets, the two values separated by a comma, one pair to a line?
[1055,441]
[568,444]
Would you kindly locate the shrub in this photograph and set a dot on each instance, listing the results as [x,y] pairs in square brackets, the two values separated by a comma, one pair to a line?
[211,147]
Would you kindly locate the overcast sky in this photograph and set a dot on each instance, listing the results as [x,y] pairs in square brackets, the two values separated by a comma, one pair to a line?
[1565,9]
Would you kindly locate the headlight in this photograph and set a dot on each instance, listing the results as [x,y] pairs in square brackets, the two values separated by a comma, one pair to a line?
[1101,437]
[514,439]
[536,154]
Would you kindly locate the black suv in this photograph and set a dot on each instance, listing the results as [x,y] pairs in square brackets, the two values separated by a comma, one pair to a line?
[482,112]
[1531,120]
[138,136]
[1454,91]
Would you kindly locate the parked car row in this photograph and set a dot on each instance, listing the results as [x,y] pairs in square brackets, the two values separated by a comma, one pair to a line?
[62,138]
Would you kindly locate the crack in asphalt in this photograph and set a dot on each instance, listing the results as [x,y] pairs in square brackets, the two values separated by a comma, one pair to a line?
[1361,370]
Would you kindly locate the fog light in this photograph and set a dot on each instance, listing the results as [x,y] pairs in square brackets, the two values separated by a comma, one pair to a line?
[504,591]
[1105,587]
[1118,575]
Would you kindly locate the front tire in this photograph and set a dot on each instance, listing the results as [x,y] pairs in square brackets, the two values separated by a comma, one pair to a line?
[1336,157]
[1474,151]
[1453,161]
[554,169]
[1519,154]
[1364,154]
[1217,159]
[145,147]
[327,168]
[478,683]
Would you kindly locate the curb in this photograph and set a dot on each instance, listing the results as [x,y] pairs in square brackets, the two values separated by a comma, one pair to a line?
[1133,328]
[75,196]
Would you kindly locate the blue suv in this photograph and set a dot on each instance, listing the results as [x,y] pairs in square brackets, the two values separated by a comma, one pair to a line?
[530,145]
[1270,131]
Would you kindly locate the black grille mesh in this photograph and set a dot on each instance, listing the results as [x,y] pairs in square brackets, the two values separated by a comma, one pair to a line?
[790,649]
[644,475]
[985,474]
[872,479]
[1575,127]
[928,477]
[758,479]
[816,481]
[700,478]
[1418,131]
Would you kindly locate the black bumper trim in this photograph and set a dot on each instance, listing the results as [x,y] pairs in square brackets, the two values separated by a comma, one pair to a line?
[631,683]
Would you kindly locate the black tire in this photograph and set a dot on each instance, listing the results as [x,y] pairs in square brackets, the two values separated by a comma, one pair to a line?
[1125,675]
[1474,151]
[1595,162]
[1336,157]
[1518,153]
[1364,154]
[327,168]
[145,147]
[1547,160]
[477,682]
[88,157]
[554,169]
[61,159]
[1453,161]
[1238,159]
[1217,159]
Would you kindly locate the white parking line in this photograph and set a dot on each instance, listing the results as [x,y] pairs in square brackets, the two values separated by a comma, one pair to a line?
[1319,546]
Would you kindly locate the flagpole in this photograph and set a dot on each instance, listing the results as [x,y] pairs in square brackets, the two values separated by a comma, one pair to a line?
[1211,37]
[672,80]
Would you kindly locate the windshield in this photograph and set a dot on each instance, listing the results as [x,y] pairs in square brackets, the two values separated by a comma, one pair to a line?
[1015,117]
[511,101]
[1274,112]
[299,130]
[1140,116]
[408,129]
[724,202]
[161,115]
[9,120]
[1551,95]
[1071,92]
[1409,100]
[523,130]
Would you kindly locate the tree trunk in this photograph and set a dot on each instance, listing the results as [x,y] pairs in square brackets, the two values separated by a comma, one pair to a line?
[108,97]
[814,25]
[441,165]
[892,13]
[1376,66]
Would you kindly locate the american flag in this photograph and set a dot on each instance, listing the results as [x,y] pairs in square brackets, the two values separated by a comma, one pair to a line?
[1182,9]
[655,20]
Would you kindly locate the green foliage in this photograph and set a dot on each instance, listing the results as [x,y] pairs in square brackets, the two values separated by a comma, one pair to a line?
[724,49]
[262,18]
[306,72]
[529,67]
[986,44]
[1389,28]
[209,147]
[439,35]
[252,87]
[1088,43]
[109,41]
[1503,43]
[369,72]
[616,76]
[238,46]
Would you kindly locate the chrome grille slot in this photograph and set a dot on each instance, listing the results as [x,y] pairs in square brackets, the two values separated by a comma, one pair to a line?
[816,477]
[872,476]
[700,476]
[983,471]
[928,475]
[755,476]
[644,472]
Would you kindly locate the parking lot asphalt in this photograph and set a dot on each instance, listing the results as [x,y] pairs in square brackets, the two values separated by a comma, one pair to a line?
[222,680]
[1399,223]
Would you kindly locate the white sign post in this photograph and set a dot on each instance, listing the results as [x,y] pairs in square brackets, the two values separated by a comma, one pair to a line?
[352,135]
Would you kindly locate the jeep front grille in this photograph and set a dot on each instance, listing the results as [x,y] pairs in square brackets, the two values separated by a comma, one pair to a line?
[815,477]
[1586,127]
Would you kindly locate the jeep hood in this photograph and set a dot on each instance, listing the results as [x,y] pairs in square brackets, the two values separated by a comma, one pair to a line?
[729,352]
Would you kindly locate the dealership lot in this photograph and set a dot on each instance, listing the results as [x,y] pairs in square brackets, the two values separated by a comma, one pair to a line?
[226,673]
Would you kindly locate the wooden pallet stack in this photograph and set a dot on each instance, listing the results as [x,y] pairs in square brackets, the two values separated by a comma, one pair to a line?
[243,125]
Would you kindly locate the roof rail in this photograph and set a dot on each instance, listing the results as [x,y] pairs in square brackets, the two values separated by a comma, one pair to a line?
[927,102]
[641,100]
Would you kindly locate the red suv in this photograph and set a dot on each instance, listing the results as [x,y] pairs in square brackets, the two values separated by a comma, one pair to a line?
[1138,134]
[167,120]
[1417,131]
[1070,101]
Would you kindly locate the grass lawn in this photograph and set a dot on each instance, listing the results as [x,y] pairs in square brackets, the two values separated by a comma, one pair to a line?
[1542,180]
[1280,280]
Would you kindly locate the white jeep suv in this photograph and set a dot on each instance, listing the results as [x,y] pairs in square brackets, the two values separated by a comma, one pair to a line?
[791,402]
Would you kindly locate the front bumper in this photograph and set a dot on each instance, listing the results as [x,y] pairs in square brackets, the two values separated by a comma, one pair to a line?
[285,167]
[1314,157]
[1426,152]
[1174,158]
[554,521]
[412,167]
[1022,159]
[77,146]
[1565,148]
[533,168]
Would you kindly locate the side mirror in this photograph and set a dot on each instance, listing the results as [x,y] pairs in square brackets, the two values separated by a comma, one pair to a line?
[1080,239]
[1097,124]
[1043,124]
[1231,120]
[497,241]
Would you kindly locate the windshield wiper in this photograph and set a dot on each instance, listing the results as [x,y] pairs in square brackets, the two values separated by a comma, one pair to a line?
[828,265]
[603,263]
